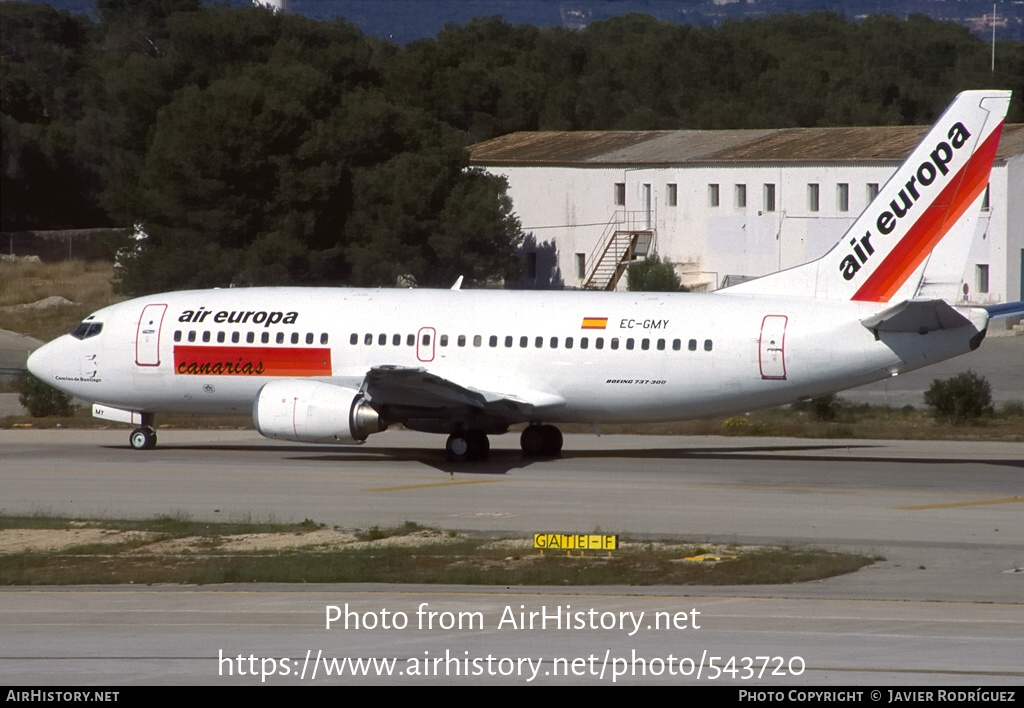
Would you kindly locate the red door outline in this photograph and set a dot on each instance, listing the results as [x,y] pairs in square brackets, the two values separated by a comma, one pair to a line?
[147,336]
[425,342]
[772,347]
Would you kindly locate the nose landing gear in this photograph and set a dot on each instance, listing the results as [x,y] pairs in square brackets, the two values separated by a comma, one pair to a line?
[143,438]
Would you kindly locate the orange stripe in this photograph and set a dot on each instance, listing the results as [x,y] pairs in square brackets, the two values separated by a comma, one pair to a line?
[936,221]
[252,361]
[595,322]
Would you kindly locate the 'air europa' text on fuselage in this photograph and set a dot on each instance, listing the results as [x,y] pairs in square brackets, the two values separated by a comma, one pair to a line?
[240,317]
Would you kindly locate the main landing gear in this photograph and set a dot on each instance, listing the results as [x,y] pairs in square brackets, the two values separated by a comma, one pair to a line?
[541,441]
[472,445]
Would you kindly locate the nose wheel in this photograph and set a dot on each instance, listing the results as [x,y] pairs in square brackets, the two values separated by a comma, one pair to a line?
[143,438]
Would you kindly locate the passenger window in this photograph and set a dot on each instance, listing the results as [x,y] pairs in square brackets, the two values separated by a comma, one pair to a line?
[323,338]
[615,342]
[396,340]
[538,342]
[410,340]
[584,342]
[206,336]
[309,337]
[599,343]
[250,337]
[368,338]
[235,337]
[477,340]
[382,339]
[493,341]
[524,341]
[677,344]
[568,342]
[645,344]
[295,337]
[177,335]
[661,345]
[508,341]
[426,340]
[220,337]
[692,345]
[265,338]
[444,340]
[629,343]
[462,340]
[192,336]
[280,338]
[554,343]
[354,339]
[707,345]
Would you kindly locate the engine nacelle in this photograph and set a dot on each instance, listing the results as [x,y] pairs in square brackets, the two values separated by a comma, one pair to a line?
[312,411]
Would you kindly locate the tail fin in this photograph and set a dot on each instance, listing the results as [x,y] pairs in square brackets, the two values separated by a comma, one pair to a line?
[934,197]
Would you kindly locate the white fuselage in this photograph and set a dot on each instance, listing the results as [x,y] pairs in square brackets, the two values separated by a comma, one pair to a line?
[611,356]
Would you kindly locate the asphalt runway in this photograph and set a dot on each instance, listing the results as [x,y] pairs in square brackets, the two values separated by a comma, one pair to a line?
[944,607]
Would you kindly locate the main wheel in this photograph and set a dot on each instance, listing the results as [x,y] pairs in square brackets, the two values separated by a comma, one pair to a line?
[541,441]
[142,438]
[471,445]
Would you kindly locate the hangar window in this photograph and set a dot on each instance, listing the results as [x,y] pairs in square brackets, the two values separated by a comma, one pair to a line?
[812,197]
[769,197]
[985,205]
[712,195]
[671,194]
[843,196]
[872,191]
[741,196]
[620,194]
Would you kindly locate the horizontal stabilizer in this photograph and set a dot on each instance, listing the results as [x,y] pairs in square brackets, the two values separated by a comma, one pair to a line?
[1006,309]
[921,316]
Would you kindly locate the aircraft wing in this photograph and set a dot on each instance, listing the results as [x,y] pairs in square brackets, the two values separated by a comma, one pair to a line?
[919,316]
[1006,309]
[416,387]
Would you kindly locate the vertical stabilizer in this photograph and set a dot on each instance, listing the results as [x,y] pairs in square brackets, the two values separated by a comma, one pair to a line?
[921,222]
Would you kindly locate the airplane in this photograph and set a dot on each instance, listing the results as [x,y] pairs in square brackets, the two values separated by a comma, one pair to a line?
[335,365]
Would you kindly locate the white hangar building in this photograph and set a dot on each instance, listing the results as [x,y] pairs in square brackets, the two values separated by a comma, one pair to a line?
[728,204]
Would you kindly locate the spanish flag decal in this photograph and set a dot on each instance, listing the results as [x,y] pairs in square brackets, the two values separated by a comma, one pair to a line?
[595,322]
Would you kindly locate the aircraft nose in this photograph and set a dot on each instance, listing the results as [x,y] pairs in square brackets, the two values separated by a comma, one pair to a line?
[40,363]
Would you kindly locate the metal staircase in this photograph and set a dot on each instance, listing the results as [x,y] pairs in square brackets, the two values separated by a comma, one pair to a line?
[628,236]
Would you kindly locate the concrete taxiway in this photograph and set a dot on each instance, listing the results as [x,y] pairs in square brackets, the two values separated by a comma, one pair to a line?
[945,606]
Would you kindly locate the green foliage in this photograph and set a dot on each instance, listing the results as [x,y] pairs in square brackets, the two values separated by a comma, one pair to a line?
[259,148]
[653,275]
[966,396]
[42,400]
[823,408]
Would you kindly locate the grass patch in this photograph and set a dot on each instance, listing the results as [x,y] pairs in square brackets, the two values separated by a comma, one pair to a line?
[179,550]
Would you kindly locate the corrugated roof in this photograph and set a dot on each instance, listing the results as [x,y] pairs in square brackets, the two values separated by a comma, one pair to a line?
[886,143]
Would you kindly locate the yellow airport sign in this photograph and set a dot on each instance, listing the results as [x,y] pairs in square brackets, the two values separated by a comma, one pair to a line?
[575,541]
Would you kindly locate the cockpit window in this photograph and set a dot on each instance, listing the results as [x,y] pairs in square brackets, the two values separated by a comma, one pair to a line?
[87,329]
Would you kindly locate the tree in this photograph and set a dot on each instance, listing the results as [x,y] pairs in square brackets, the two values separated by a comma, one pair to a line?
[653,275]
[42,400]
[960,398]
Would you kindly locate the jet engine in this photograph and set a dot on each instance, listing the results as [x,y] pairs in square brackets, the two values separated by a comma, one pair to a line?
[315,412]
